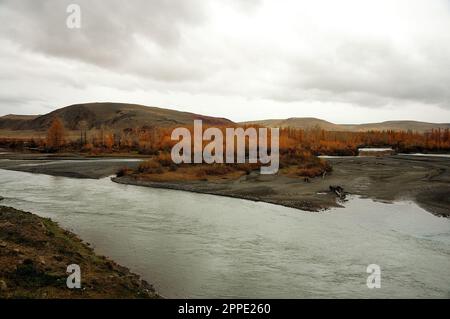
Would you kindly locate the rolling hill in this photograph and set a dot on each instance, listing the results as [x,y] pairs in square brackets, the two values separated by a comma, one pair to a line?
[108,115]
[398,126]
[297,122]
[15,122]
[120,116]
[310,122]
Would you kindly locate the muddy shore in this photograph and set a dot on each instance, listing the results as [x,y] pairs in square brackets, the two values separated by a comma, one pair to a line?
[425,180]
[67,165]
[35,253]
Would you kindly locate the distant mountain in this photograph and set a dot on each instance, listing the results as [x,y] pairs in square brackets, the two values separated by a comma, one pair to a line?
[398,126]
[15,122]
[119,116]
[311,122]
[109,115]
[298,122]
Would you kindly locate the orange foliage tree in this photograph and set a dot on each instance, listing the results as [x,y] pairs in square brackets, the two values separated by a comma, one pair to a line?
[154,140]
[55,134]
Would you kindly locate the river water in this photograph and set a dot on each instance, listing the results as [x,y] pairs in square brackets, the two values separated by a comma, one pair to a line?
[194,245]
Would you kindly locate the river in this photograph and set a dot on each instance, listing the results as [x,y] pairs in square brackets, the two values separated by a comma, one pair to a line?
[194,245]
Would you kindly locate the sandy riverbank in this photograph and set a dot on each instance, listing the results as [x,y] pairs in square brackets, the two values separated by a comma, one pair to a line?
[67,165]
[425,180]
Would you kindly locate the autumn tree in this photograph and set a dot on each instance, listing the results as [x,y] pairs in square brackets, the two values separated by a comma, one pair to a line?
[55,134]
[83,126]
[108,141]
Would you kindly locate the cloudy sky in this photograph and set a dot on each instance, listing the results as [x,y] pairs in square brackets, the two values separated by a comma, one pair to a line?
[343,61]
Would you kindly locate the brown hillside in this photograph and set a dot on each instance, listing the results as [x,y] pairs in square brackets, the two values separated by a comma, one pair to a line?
[297,122]
[398,126]
[15,122]
[109,115]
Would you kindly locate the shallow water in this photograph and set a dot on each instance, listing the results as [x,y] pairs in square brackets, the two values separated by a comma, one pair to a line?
[426,155]
[335,156]
[93,160]
[194,245]
[375,149]
[402,154]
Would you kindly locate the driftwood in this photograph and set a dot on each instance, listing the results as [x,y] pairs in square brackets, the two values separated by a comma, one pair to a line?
[338,190]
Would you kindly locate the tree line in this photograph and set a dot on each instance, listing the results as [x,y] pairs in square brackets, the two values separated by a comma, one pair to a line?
[155,140]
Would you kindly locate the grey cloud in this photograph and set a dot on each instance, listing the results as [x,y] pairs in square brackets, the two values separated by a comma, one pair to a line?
[107,37]
[170,45]
[247,6]
[15,99]
[18,103]
[369,72]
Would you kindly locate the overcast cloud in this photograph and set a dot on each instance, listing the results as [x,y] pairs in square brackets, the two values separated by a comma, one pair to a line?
[344,61]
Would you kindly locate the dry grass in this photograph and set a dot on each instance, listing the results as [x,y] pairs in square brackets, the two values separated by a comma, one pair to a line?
[162,169]
[31,134]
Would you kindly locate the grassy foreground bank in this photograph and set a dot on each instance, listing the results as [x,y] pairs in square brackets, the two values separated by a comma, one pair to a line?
[35,253]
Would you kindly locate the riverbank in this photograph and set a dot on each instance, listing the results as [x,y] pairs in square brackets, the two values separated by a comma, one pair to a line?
[68,165]
[425,180]
[35,253]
